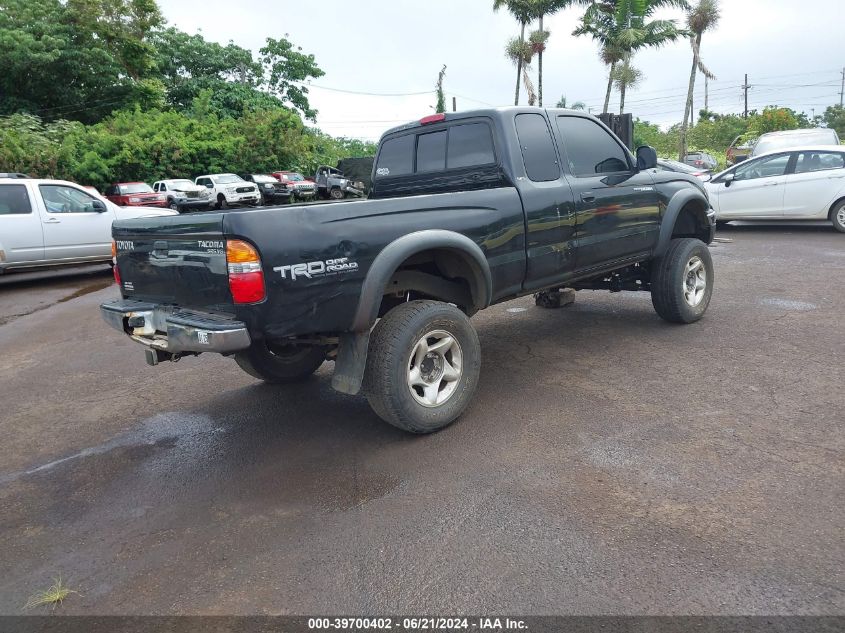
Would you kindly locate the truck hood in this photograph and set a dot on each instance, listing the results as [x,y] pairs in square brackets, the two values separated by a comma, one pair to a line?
[186,188]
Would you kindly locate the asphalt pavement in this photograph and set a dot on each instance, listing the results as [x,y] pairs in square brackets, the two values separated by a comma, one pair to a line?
[611,463]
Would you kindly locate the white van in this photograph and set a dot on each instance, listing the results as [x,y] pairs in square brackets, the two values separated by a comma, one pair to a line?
[54,222]
[772,141]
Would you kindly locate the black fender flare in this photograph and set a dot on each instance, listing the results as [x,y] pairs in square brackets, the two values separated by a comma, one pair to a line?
[676,203]
[352,352]
[392,255]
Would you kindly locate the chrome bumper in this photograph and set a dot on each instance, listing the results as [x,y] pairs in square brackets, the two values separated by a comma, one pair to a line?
[174,330]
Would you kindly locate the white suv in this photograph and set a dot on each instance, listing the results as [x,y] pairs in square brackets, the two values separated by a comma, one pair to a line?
[230,190]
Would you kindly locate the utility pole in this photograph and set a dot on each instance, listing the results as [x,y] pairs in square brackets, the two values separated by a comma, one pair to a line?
[454,104]
[842,90]
[745,88]
[706,92]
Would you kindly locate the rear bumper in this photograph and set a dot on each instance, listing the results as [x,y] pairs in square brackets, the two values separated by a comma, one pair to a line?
[174,330]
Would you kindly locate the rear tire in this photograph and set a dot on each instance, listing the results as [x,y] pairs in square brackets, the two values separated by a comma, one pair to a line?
[837,216]
[284,364]
[682,281]
[423,366]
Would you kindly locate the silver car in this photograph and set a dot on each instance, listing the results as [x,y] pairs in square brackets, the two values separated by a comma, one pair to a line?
[773,141]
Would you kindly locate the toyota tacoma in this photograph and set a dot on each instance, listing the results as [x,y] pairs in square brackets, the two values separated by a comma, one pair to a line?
[466,210]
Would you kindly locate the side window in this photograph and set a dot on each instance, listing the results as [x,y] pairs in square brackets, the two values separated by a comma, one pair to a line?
[589,148]
[396,157]
[61,199]
[14,200]
[431,151]
[819,161]
[538,151]
[763,168]
[470,145]
[111,190]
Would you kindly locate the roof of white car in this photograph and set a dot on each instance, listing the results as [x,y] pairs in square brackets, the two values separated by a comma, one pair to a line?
[41,181]
[215,175]
[801,132]
[798,148]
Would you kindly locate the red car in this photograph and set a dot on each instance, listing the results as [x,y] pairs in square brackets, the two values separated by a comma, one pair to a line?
[135,194]
[300,186]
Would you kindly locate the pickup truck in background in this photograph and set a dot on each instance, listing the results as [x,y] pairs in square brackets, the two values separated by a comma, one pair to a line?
[182,195]
[54,222]
[229,190]
[466,210]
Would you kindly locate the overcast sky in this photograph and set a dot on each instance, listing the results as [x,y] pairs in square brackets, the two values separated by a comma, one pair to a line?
[792,51]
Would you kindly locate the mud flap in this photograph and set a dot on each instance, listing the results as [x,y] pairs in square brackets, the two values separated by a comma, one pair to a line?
[351,362]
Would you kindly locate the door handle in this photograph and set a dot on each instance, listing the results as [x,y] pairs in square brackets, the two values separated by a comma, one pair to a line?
[52,221]
[588,196]
[770,184]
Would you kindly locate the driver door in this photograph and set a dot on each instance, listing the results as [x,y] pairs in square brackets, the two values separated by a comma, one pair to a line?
[757,190]
[73,228]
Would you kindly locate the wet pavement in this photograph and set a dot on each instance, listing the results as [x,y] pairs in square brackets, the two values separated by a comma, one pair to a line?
[611,463]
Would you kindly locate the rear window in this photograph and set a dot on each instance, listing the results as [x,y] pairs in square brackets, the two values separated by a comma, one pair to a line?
[14,200]
[458,146]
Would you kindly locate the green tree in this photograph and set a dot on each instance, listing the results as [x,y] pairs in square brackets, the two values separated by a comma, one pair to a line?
[441,98]
[773,119]
[625,76]
[701,18]
[286,68]
[622,27]
[834,117]
[517,49]
[578,105]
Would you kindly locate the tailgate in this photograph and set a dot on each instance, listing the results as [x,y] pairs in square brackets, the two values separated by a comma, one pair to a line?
[174,260]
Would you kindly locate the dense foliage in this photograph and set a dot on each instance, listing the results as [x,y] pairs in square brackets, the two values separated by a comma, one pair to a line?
[99,91]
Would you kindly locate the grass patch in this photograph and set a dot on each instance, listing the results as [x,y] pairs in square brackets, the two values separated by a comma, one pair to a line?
[54,595]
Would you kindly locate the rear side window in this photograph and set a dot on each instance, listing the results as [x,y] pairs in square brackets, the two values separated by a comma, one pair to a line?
[538,151]
[589,148]
[431,151]
[396,157]
[819,161]
[470,145]
[14,200]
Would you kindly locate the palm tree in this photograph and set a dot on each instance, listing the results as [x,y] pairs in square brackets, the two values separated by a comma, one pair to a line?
[523,11]
[625,76]
[622,27]
[700,18]
[578,105]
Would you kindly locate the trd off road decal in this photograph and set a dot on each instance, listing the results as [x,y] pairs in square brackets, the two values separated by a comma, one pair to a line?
[310,270]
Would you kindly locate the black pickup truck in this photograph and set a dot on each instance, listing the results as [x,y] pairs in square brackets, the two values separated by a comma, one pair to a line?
[466,210]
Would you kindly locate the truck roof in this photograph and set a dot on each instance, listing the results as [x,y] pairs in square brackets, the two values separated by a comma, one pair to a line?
[493,113]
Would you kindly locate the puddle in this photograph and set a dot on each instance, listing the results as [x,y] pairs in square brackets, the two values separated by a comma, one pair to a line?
[87,290]
[788,304]
[162,430]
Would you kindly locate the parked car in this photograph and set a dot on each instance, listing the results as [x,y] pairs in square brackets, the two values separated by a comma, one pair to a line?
[183,195]
[701,160]
[332,184]
[529,200]
[134,194]
[787,139]
[50,222]
[229,190]
[804,183]
[301,187]
[271,189]
[666,164]
[740,148]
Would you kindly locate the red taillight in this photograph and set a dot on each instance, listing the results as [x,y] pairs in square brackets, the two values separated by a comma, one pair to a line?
[699,163]
[114,262]
[246,279]
[433,118]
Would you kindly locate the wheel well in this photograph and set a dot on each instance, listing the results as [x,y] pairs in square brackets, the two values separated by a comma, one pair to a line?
[833,208]
[692,222]
[440,274]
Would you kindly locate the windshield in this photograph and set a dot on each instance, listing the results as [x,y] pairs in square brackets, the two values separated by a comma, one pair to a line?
[294,177]
[226,179]
[138,187]
[261,178]
[175,184]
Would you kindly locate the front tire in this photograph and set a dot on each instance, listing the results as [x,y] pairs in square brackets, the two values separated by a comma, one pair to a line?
[837,216]
[280,363]
[423,366]
[336,194]
[682,281]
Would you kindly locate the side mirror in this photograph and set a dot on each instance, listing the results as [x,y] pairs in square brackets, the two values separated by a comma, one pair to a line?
[728,179]
[646,158]
[99,206]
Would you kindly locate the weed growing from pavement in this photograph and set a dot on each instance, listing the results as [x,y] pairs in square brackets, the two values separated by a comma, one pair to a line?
[55,595]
